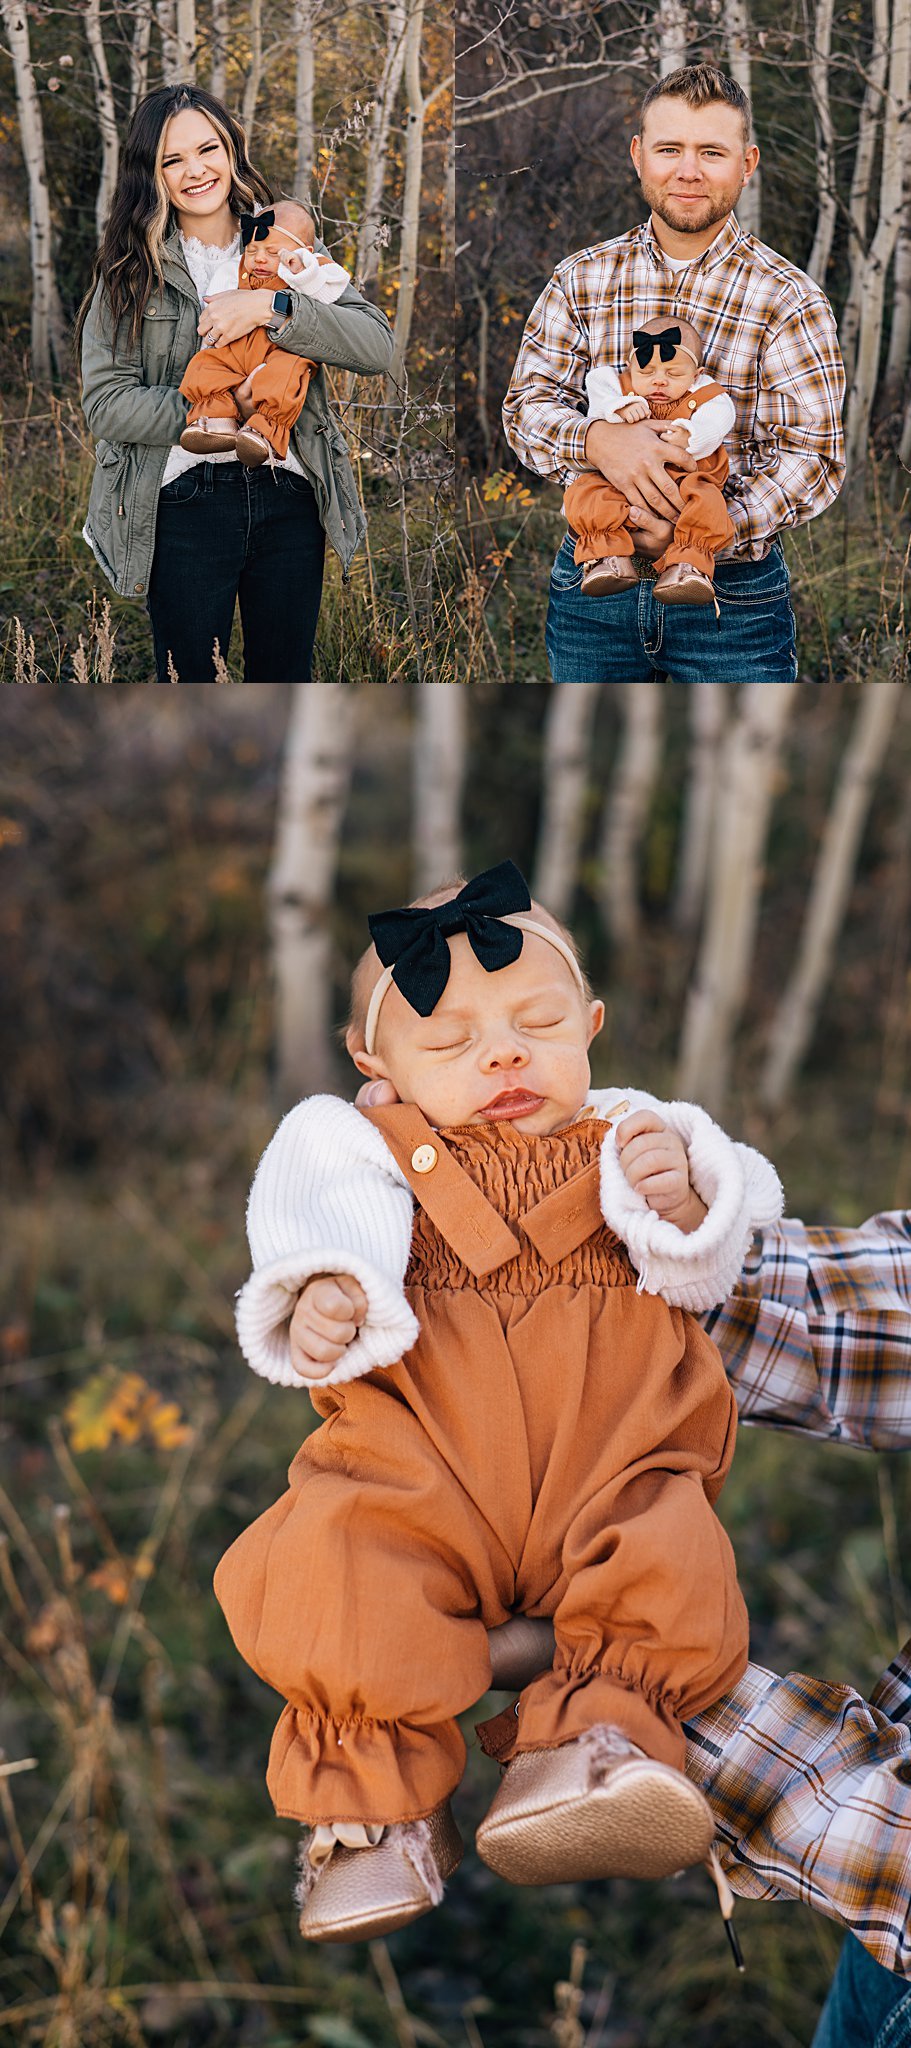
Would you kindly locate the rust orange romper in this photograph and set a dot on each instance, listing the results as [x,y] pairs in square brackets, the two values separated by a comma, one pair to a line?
[280,386]
[551,1445]
[599,514]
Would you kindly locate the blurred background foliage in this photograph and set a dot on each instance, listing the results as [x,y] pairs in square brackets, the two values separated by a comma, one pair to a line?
[146,1890]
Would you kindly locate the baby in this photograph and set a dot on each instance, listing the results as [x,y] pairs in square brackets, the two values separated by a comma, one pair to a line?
[663,380]
[277,248]
[485,1288]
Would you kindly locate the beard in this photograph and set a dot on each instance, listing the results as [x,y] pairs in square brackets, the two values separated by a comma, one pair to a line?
[691,219]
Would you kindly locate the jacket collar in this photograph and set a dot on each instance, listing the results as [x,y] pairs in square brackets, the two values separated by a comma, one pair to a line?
[728,239]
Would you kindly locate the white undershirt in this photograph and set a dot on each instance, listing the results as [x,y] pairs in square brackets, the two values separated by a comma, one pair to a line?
[202,260]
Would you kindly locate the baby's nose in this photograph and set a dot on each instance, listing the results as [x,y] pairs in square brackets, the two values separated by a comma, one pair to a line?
[508,1053]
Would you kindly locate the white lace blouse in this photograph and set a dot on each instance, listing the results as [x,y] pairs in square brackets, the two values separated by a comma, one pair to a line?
[202,260]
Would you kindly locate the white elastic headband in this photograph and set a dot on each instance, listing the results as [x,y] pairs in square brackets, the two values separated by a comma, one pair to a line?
[526,924]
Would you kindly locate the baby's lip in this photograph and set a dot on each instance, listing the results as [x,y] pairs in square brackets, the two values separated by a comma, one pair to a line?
[514,1102]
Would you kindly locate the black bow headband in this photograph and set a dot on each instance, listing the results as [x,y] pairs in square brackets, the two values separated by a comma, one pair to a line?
[667,344]
[254,227]
[414,942]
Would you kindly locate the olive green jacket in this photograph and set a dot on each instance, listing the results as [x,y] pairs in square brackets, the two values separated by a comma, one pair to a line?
[136,413]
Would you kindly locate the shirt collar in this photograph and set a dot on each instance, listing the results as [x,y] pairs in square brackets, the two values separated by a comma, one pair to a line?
[726,241]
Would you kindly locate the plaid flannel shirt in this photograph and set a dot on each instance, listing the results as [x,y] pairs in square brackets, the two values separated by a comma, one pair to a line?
[768,336]
[811,1784]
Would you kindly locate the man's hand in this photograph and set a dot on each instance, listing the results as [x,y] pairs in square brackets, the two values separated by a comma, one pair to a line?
[329,1313]
[228,315]
[635,460]
[654,1161]
[650,535]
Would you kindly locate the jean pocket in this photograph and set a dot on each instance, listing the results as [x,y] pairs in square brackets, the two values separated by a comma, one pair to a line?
[566,573]
[183,487]
[753,583]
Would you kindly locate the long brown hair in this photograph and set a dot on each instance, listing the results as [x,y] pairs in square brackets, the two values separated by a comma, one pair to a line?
[129,259]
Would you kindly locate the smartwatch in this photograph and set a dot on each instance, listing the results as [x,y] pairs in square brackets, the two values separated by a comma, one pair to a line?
[281,303]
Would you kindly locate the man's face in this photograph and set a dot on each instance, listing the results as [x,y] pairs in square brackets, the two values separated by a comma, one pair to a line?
[692,162]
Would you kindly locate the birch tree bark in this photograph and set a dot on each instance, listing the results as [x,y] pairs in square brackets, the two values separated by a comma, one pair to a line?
[254,75]
[437,783]
[316,775]
[139,55]
[166,18]
[48,333]
[707,704]
[186,40]
[626,811]
[448,219]
[737,37]
[893,382]
[818,262]
[859,202]
[879,256]
[747,783]
[106,113]
[672,35]
[566,768]
[368,247]
[795,1019]
[411,198]
[305,13]
[218,78]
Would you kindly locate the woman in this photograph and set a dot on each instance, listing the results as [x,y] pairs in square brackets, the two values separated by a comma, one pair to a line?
[190,533]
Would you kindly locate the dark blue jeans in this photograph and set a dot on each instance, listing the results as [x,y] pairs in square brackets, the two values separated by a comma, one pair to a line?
[629,638]
[225,532]
[867,2006]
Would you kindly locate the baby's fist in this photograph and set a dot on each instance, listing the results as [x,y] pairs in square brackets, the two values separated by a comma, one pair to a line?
[328,1315]
[635,409]
[654,1161]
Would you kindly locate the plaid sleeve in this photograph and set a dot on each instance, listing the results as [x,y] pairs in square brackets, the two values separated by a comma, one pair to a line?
[817,1334]
[798,465]
[541,419]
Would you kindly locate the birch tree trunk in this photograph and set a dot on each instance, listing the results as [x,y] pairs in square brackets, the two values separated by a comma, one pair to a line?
[305,12]
[368,250]
[747,782]
[139,56]
[795,1019]
[186,40]
[818,262]
[904,450]
[448,217]
[254,75]
[626,811]
[316,774]
[437,782]
[48,330]
[859,202]
[218,81]
[411,198]
[893,383]
[737,37]
[673,31]
[566,769]
[891,199]
[166,17]
[106,113]
[707,705]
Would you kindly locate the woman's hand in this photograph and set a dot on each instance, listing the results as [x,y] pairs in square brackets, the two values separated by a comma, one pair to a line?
[654,1161]
[246,403]
[228,315]
[328,1315]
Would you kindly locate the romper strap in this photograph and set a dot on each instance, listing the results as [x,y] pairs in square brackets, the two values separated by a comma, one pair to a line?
[567,1216]
[448,1195]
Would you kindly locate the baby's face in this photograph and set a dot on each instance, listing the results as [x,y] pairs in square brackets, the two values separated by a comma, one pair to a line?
[262,259]
[665,382]
[511,1046]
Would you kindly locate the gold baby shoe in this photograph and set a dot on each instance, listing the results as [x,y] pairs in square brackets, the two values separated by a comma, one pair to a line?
[359,1894]
[596,1807]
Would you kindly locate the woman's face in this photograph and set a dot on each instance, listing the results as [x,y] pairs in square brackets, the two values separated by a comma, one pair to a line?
[196,167]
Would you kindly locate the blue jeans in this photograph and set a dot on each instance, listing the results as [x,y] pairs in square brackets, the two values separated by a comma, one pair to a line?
[867,2006]
[628,638]
[225,532]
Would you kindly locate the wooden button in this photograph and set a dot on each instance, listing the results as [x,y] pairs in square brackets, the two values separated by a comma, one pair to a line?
[424,1159]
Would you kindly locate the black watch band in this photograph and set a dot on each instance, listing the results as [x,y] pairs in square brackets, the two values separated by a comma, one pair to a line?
[281,303]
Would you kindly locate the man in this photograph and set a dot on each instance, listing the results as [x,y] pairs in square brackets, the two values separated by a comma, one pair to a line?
[768,337]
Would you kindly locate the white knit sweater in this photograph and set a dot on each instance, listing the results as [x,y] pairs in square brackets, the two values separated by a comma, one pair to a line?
[328,1197]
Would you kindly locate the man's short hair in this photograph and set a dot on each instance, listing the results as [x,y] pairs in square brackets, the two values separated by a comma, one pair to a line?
[700,85]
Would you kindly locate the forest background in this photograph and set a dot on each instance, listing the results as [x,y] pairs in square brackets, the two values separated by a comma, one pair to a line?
[346,106]
[156,973]
[548,98]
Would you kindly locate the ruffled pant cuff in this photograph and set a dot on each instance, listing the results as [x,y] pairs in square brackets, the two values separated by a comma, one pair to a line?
[361,1770]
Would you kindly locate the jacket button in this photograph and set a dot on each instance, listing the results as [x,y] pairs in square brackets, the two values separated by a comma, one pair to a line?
[152,310]
[424,1159]
[139,588]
